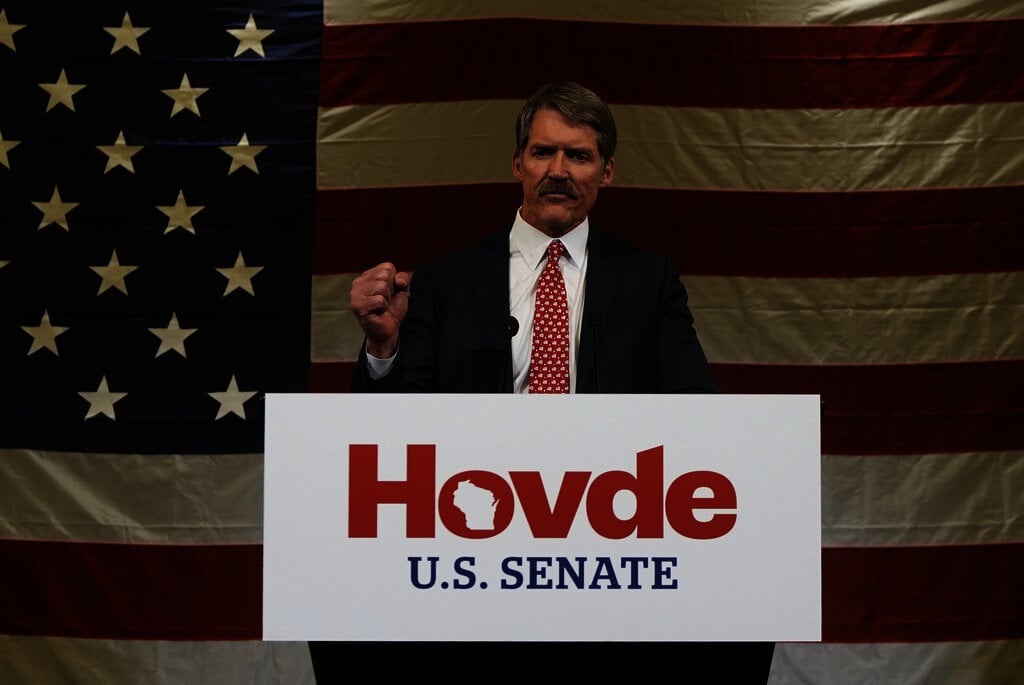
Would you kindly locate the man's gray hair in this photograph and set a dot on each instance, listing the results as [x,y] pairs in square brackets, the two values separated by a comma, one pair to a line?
[579,105]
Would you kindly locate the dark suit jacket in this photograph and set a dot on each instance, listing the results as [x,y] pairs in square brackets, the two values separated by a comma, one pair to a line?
[637,332]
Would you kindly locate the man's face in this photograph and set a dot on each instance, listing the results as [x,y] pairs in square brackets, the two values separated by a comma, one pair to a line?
[561,170]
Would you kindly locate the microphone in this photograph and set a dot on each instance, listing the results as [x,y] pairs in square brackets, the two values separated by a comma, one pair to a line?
[508,376]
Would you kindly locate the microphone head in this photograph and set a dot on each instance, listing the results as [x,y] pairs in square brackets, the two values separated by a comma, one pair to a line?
[513,326]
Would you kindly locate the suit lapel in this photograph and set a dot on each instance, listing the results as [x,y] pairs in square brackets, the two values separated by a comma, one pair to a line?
[488,269]
[604,274]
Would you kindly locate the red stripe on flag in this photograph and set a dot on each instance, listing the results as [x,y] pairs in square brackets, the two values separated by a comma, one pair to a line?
[870,409]
[969,592]
[706,232]
[823,234]
[900,408]
[918,594]
[131,591]
[331,376]
[707,66]
[356,229]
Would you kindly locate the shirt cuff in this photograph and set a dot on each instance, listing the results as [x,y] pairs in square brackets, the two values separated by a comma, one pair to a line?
[379,368]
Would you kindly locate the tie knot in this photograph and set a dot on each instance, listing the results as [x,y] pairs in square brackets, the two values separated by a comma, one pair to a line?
[555,250]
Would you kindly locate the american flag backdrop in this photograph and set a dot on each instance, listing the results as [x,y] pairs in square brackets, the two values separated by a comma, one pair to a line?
[188,188]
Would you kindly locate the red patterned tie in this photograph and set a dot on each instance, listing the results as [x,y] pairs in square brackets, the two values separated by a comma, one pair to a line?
[549,355]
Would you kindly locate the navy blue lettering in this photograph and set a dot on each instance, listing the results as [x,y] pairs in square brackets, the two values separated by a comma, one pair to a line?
[464,567]
[606,572]
[414,575]
[663,570]
[633,563]
[576,574]
[538,573]
[507,565]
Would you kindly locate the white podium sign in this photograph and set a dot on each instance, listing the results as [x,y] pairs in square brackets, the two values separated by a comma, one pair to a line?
[547,518]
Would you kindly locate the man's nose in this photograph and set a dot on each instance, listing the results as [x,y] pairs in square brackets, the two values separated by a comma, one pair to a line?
[558,165]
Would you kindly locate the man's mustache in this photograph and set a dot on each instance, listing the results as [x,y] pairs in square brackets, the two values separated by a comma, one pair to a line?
[560,186]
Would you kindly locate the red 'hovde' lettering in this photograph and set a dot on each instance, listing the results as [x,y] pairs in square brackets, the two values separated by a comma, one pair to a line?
[365,491]
[654,503]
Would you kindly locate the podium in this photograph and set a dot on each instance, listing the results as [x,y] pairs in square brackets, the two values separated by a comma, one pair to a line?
[563,518]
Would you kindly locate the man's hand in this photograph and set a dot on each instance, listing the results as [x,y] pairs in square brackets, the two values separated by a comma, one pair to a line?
[380,299]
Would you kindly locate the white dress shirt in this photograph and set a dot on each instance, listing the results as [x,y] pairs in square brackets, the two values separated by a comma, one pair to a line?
[527,257]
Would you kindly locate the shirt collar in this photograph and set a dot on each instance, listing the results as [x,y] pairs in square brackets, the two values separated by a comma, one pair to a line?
[530,243]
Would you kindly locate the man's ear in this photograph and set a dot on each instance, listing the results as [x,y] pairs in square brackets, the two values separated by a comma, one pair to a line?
[517,169]
[609,172]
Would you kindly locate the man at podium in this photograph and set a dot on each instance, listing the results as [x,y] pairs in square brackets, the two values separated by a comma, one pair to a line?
[548,304]
[614,316]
